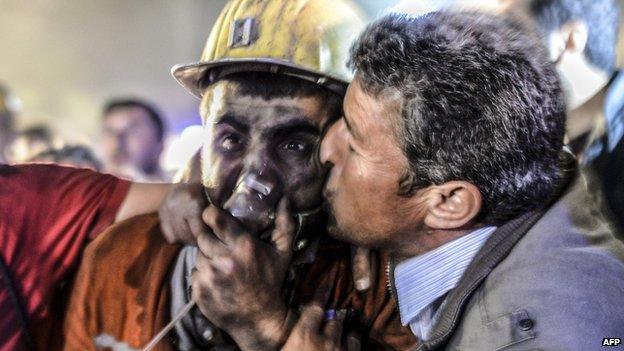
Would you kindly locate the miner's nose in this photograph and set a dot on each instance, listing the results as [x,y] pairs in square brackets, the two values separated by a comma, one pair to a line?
[262,184]
[333,144]
[254,199]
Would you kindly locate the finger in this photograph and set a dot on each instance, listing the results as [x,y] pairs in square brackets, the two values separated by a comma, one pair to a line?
[333,327]
[210,246]
[197,228]
[166,229]
[353,342]
[201,295]
[284,231]
[311,318]
[322,296]
[202,263]
[170,224]
[223,225]
[214,272]
[201,276]
[361,266]
[223,269]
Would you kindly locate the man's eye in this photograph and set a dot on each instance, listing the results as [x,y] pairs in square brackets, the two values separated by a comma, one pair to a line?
[230,142]
[295,146]
[351,149]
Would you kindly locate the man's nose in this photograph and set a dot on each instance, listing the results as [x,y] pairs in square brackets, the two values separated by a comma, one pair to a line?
[330,145]
[120,141]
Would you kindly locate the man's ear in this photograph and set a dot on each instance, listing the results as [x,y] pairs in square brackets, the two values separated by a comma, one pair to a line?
[452,205]
[570,39]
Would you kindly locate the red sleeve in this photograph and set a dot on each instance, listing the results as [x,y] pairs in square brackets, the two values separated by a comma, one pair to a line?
[47,214]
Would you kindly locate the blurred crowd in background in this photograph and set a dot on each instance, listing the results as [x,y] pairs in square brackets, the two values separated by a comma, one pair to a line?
[78,88]
[132,135]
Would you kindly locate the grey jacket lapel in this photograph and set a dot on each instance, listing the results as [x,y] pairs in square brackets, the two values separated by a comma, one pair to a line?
[495,250]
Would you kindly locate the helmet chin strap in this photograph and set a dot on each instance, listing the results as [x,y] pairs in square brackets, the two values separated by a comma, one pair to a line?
[301,217]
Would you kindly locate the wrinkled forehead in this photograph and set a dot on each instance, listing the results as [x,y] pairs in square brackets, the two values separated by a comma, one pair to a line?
[224,99]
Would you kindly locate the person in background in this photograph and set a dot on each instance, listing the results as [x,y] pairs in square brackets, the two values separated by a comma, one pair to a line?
[48,214]
[582,38]
[133,133]
[73,156]
[9,107]
[29,143]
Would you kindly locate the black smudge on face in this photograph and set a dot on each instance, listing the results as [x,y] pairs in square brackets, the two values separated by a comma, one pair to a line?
[275,141]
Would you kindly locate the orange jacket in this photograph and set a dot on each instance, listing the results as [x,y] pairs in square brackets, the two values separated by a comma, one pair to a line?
[122,290]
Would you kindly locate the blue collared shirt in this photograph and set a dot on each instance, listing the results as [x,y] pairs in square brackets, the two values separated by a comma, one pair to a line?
[422,282]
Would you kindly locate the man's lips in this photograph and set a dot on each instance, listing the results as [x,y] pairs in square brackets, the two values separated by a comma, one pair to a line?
[327,200]
[326,207]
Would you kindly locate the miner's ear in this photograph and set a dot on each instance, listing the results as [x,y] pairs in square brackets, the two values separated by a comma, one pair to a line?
[452,205]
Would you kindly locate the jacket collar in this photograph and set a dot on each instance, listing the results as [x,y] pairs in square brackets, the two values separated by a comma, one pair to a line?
[493,252]
[496,248]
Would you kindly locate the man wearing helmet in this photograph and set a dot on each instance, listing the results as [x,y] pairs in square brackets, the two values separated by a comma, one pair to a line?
[271,81]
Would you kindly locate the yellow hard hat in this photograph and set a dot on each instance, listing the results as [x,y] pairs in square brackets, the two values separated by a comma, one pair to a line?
[309,39]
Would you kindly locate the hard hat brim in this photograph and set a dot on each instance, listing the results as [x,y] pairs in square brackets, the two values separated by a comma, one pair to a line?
[190,75]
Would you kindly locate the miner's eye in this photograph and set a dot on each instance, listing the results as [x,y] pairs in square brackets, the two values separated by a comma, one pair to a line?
[295,146]
[231,142]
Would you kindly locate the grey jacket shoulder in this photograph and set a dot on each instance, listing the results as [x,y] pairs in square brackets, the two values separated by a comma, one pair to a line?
[560,288]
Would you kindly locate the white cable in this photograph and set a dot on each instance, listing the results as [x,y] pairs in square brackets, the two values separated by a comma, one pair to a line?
[155,340]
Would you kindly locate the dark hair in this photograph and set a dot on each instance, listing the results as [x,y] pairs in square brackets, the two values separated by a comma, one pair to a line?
[37,133]
[601,17]
[271,85]
[78,154]
[481,103]
[151,111]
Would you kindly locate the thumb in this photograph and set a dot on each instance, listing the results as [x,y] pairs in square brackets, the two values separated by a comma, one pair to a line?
[361,266]
[311,319]
[284,232]
[353,342]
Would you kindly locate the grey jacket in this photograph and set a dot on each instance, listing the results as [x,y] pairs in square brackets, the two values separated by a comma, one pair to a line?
[549,280]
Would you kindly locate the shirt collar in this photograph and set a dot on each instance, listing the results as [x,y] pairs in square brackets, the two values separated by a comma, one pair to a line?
[420,280]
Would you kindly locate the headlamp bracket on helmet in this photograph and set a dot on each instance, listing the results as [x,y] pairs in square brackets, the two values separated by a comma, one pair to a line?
[243,32]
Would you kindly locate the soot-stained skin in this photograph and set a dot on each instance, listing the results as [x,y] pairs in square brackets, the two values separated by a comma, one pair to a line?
[276,139]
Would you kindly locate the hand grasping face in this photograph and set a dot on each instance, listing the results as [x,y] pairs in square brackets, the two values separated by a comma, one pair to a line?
[238,277]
